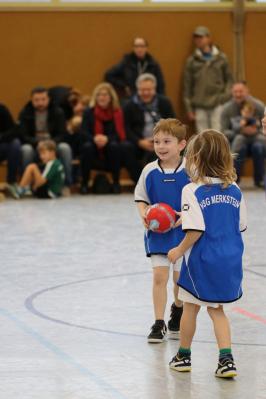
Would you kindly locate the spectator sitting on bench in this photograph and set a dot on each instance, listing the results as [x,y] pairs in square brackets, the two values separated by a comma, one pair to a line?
[74,136]
[247,117]
[103,127]
[246,139]
[46,183]
[142,112]
[10,147]
[40,119]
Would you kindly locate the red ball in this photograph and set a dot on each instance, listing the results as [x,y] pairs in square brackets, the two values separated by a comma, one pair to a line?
[160,218]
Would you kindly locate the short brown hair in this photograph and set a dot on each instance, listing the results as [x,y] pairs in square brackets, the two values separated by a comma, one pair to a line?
[249,106]
[172,126]
[48,145]
[208,155]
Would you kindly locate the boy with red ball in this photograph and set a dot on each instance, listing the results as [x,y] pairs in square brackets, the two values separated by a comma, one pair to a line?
[163,181]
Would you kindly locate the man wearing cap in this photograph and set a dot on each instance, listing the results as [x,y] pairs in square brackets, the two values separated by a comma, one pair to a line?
[207,82]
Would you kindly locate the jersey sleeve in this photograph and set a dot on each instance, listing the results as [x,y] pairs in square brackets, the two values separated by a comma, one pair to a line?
[192,217]
[140,193]
[243,215]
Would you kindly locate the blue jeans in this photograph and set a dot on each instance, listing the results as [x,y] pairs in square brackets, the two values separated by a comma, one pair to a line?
[253,146]
[29,155]
[12,153]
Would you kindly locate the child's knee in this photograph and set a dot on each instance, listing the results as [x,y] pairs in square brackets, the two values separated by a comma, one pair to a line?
[191,308]
[160,276]
[214,312]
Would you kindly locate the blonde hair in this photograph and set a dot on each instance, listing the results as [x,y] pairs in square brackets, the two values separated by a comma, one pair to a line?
[172,126]
[48,145]
[111,91]
[208,155]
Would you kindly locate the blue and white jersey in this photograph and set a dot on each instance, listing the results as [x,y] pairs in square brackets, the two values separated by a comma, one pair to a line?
[212,268]
[158,185]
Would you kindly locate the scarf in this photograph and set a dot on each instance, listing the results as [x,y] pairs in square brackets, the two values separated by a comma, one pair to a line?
[151,108]
[103,115]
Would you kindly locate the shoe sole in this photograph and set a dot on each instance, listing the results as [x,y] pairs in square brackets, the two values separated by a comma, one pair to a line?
[173,335]
[229,374]
[155,340]
[181,369]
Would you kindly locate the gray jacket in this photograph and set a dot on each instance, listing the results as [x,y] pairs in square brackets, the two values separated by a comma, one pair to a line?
[232,109]
[207,83]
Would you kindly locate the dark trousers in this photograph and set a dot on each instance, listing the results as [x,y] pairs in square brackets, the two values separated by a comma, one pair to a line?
[250,146]
[112,157]
[129,160]
[12,153]
[108,158]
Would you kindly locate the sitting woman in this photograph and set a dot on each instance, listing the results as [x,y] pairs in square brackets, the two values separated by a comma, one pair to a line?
[74,136]
[103,126]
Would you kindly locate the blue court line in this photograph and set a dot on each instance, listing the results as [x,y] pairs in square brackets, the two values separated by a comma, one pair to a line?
[62,355]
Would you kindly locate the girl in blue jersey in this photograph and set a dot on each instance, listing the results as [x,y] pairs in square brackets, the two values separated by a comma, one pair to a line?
[213,217]
[163,181]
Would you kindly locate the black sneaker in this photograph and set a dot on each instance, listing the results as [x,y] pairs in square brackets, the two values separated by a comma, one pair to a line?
[226,368]
[181,363]
[158,331]
[174,321]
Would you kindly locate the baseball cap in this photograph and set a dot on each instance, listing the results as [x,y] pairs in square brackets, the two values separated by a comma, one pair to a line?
[201,31]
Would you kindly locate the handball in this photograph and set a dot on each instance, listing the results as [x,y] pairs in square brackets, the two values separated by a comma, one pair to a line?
[160,218]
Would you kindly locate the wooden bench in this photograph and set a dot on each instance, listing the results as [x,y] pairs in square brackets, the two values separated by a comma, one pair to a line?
[125,180]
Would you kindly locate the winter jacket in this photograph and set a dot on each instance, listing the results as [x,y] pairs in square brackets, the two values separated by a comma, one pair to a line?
[127,71]
[87,127]
[56,124]
[134,117]
[7,125]
[207,83]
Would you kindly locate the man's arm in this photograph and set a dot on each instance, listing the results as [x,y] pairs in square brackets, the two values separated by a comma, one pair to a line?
[115,75]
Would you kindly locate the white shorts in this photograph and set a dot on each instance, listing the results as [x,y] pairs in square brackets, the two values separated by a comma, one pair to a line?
[162,260]
[185,296]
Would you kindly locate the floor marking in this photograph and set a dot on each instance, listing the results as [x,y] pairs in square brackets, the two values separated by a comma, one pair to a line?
[30,306]
[249,315]
[62,355]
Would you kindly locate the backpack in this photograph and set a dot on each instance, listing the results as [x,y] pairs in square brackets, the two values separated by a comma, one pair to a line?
[101,184]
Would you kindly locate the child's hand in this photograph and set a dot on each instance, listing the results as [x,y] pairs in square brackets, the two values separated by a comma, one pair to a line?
[174,254]
[143,217]
[179,219]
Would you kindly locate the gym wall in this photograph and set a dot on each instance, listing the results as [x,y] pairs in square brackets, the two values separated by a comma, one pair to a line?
[76,47]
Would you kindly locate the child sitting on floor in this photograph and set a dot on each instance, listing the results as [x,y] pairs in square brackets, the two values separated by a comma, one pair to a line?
[43,184]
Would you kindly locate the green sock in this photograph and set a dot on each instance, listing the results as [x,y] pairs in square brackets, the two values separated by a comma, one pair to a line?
[225,351]
[184,351]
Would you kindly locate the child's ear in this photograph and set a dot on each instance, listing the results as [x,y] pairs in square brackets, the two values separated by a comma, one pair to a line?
[182,144]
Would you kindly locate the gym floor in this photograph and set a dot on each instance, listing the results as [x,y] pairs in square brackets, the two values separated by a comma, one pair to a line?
[76,307]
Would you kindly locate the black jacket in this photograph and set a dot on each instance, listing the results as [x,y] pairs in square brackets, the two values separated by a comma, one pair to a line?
[87,127]
[126,72]
[134,117]
[56,124]
[7,125]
